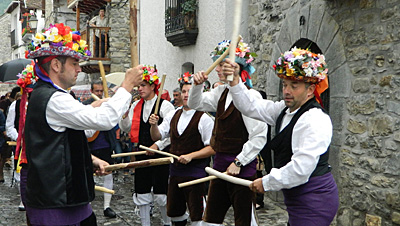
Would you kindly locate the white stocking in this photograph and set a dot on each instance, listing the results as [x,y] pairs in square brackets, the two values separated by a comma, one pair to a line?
[108,183]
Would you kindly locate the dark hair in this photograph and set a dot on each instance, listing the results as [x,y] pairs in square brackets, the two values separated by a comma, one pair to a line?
[95,82]
[46,66]
[14,92]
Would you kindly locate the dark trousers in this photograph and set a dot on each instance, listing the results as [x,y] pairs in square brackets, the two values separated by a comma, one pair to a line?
[103,45]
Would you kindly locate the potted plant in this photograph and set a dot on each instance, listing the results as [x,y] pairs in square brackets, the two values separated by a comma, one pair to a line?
[189,8]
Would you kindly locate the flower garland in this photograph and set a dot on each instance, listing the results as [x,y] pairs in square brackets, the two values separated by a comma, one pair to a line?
[59,35]
[150,75]
[242,51]
[27,77]
[300,64]
[185,78]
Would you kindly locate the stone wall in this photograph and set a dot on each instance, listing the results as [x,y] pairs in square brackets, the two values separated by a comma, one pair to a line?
[119,36]
[5,40]
[360,39]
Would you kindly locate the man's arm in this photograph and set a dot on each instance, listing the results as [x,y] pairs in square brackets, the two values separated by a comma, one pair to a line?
[200,154]
[11,131]
[257,139]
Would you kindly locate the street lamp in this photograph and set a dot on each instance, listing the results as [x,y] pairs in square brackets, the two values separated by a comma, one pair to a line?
[33,22]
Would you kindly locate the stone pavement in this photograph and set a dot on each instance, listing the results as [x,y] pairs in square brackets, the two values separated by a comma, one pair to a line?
[272,214]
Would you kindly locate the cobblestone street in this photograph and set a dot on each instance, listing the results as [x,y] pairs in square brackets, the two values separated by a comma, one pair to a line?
[122,204]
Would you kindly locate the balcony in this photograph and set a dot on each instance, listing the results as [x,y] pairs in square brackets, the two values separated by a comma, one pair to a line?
[91,66]
[181,22]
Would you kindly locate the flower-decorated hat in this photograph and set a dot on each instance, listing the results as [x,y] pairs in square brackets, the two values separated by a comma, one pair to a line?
[303,65]
[243,57]
[58,40]
[186,78]
[27,78]
[150,75]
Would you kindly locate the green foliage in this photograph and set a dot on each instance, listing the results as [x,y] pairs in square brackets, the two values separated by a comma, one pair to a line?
[189,6]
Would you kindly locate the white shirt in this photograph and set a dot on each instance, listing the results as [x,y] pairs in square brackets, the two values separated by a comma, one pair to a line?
[208,101]
[311,137]
[165,108]
[63,111]
[205,125]
[10,129]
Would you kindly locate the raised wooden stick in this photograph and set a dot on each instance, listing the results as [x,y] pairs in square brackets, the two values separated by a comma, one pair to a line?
[94,96]
[103,189]
[140,164]
[228,178]
[12,143]
[159,152]
[159,94]
[197,181]
[128,154]
[103,78]
[235,32]
[222,57]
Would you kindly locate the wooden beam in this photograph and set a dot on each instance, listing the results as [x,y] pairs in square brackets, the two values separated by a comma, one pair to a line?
[78,15]
[133,33]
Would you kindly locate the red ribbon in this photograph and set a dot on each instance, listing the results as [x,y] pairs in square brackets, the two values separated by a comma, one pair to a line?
[21,127]
[137,111]
[244,75]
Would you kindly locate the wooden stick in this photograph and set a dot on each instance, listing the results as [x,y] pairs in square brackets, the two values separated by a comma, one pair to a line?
[94,96]
[234,180]
[235,32]
[12,143]
[103,189]
[222,57]
[159,152]
[133,32]
[197,181]
[128,154]
[103,78]
[140,164]
[159,94]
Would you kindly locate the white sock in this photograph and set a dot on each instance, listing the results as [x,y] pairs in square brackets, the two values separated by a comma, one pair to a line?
[166,220]
[144,212]
[108,183]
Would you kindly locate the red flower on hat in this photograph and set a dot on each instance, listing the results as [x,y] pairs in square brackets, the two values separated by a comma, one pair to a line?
[63,30]
[69,45]
[76,37]
[26,54]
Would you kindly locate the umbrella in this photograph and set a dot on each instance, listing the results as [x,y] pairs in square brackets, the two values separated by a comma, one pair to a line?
[10,69]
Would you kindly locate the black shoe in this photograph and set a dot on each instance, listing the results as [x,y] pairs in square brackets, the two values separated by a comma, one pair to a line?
[109,213]
[258,206]
[21,208]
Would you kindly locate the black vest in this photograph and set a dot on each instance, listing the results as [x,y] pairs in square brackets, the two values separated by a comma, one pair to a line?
[60,170]
[281,144]
[144,134]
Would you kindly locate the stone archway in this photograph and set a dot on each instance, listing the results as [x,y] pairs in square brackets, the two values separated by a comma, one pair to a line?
[311,21]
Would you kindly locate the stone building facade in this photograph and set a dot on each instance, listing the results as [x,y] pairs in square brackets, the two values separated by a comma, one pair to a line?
[361,42]
[5,40]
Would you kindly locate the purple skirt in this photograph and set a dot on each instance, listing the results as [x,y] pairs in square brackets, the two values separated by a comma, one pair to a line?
[314,203]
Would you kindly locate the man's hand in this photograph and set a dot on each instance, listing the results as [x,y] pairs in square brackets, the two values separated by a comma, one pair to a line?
[233,169]
[231,68]
[99,166]
[200,78]
[153,120]
[98,103]
[133,77]
[155,147]
[257,186]
[185,159]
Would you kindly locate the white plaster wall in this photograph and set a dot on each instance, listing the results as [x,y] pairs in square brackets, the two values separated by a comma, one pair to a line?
[214,23]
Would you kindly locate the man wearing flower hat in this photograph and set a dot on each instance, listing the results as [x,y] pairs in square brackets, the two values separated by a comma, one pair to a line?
[236,139]
[190,132]
[151,183]
[60,182]
[303,135]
